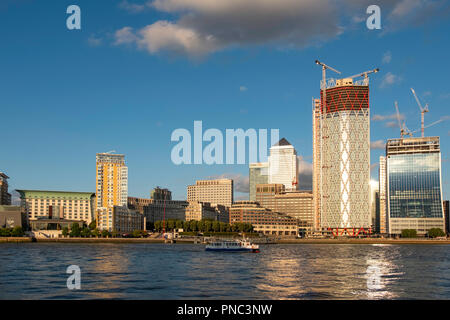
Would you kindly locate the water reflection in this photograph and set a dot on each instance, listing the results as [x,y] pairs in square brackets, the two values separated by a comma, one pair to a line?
[156,271]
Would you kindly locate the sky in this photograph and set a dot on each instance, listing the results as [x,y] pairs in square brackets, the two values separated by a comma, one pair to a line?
[138,70]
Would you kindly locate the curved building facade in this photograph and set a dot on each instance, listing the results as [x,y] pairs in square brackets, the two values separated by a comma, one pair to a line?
[344,172]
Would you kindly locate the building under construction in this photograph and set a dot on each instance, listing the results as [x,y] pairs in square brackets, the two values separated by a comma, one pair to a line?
[341,147]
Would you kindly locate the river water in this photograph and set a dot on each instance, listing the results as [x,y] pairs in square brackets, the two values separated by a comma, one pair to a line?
[185,271]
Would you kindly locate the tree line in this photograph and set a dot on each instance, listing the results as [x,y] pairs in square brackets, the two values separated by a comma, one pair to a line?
[205,225]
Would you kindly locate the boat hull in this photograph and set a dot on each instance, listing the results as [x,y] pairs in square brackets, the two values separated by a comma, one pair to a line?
[232,250]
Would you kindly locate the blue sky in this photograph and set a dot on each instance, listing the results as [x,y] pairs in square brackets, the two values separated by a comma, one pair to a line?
[128,78]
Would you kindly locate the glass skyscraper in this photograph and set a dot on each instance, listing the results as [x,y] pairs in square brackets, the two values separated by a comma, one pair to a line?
[414,192]
[259,174]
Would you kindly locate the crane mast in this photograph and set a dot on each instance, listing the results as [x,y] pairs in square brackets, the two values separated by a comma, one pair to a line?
[423,110]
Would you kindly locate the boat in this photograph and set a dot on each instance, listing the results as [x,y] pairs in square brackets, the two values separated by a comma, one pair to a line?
[232,245]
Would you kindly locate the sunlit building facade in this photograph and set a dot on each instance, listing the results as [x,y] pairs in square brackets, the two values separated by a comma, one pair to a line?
[382,186]
[414,185]
[111,187]
[283,165]
[344,157]
[258,174]
[219,191]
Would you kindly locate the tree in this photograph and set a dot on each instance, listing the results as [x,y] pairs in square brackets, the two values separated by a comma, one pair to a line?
[186,226]
[409,233]
[158,226]
[75,230]
[17,232]
[85,232]
[179,224]
[65,231]
[93,225]
[216,226]
[208,225]
[96,233]
[436,232]
[5,232]
[105,233]
[170,224]
[193,225]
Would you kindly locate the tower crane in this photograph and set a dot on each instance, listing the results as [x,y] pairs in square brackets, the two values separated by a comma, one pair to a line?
[324,79]
[404,131]
[365,74]
[423,110]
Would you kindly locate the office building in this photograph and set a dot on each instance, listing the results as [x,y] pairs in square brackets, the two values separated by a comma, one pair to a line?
[414,185]
[123,220]
[343,141]
[283,166]
[111,184]
[160,194]
[44,204]
[294,203]
[138,204]
[159,210]
[5,197]
[218,191]
[204,210]
[447,218]
[382,193]
[262,219]
[317,185]
[258,174]
[374,205]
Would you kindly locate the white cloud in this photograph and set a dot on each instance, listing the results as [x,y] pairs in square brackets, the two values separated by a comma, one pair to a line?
[378,144]
[387,57]
[243,88]
[133,7]
[124,36]
[393,116]
[373,166]
[240,182]
[305,172]
[200,27]
[206,26]
[94,41]
[389,79]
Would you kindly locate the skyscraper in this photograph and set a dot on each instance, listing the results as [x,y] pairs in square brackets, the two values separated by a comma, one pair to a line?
[5,197]
[382,184]
[111,187]
[344,157]
[258,174]
[283,167]
[414,185]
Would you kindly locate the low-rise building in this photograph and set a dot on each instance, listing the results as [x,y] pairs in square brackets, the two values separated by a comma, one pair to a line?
[218,191]
[205,210]
[263,220]
[12,216]
[76,206]
[122,220]
[294,203]
[158,210]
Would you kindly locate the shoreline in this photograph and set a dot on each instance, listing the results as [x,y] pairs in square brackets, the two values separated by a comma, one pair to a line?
[192,241]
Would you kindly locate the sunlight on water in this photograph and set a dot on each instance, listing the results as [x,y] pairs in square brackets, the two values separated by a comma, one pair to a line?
[158,271]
